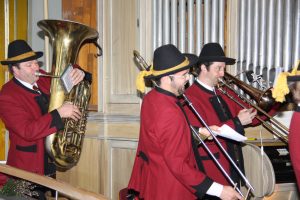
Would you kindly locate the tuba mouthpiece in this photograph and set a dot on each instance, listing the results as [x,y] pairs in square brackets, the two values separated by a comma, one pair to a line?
[46,75]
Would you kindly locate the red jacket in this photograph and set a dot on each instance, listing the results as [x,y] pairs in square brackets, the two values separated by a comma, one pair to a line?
[165,166]
[208,106]
[21,110]
[294,143]
[201,100]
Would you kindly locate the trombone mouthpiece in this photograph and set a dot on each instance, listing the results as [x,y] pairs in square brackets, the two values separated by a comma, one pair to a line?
[46,75]
[221,80]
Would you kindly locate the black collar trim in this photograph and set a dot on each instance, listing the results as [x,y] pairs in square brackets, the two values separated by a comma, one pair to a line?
[203,88]
[25,88]
[160,90]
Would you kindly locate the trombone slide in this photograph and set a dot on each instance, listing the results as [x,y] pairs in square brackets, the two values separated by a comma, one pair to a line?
[220,146]
[282,135]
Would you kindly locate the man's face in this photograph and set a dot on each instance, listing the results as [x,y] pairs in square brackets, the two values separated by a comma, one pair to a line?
[296,92]
[214,72]
[178,81]
[26,71]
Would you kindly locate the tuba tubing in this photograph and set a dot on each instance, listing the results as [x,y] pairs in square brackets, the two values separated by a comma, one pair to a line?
[66,38]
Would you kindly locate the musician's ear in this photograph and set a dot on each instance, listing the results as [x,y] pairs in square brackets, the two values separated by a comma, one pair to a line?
[203,68]
[15,69]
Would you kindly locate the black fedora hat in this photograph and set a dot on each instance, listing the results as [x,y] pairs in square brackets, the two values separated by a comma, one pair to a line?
[293,78]
[20,51]
[213,52]
[295,74]
[168,60]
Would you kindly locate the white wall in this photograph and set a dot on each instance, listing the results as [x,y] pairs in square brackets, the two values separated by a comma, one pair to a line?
[35,14]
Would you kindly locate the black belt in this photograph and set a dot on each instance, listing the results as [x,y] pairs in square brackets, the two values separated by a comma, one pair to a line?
[217,155]
[32,148]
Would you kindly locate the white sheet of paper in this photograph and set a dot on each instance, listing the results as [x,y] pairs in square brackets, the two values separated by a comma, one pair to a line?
[284,117]
[227,132]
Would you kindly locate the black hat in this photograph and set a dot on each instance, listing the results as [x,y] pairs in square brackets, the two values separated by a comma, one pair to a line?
[295,74]
[293,78]
[213,52]
[19,51]
[168,60]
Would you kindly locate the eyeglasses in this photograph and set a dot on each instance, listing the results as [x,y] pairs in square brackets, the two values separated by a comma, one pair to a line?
[184,76]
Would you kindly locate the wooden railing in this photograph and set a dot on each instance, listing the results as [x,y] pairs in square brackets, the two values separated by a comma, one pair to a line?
[63,188]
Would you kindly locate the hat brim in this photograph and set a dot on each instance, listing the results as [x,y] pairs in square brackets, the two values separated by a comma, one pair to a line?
[37,55]
[193,60]
[228,61]
[293,78]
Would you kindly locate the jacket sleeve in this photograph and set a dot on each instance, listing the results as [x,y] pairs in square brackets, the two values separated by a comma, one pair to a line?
[87,75]
[274,109]
[17,118]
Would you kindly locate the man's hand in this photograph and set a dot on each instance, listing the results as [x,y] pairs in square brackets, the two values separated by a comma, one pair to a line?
[228,193]
[68,110]
[205,132]
[76,75]
[247,115]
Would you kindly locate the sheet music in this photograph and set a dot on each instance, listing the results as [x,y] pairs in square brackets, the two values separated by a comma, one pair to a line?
[227,132]
[66,80]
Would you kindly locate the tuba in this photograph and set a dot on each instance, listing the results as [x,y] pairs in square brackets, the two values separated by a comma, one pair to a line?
[66,38]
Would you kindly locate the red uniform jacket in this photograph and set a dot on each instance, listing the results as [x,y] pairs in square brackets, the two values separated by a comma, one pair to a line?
[215,113]
[294,143]
[165,166]
[25,115]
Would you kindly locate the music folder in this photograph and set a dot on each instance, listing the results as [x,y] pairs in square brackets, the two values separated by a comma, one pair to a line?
[66,79]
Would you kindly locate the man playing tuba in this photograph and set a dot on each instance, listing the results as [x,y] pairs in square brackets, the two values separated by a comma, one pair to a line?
[24,102]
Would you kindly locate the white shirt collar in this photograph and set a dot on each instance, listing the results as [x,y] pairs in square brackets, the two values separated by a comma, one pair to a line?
[28,85]
[205,85]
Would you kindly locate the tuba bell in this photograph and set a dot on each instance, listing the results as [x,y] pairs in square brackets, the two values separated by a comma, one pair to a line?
[66,38]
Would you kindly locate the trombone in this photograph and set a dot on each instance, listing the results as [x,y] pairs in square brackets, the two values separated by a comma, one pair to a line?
[264,100]
[250,187]
[145,66]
